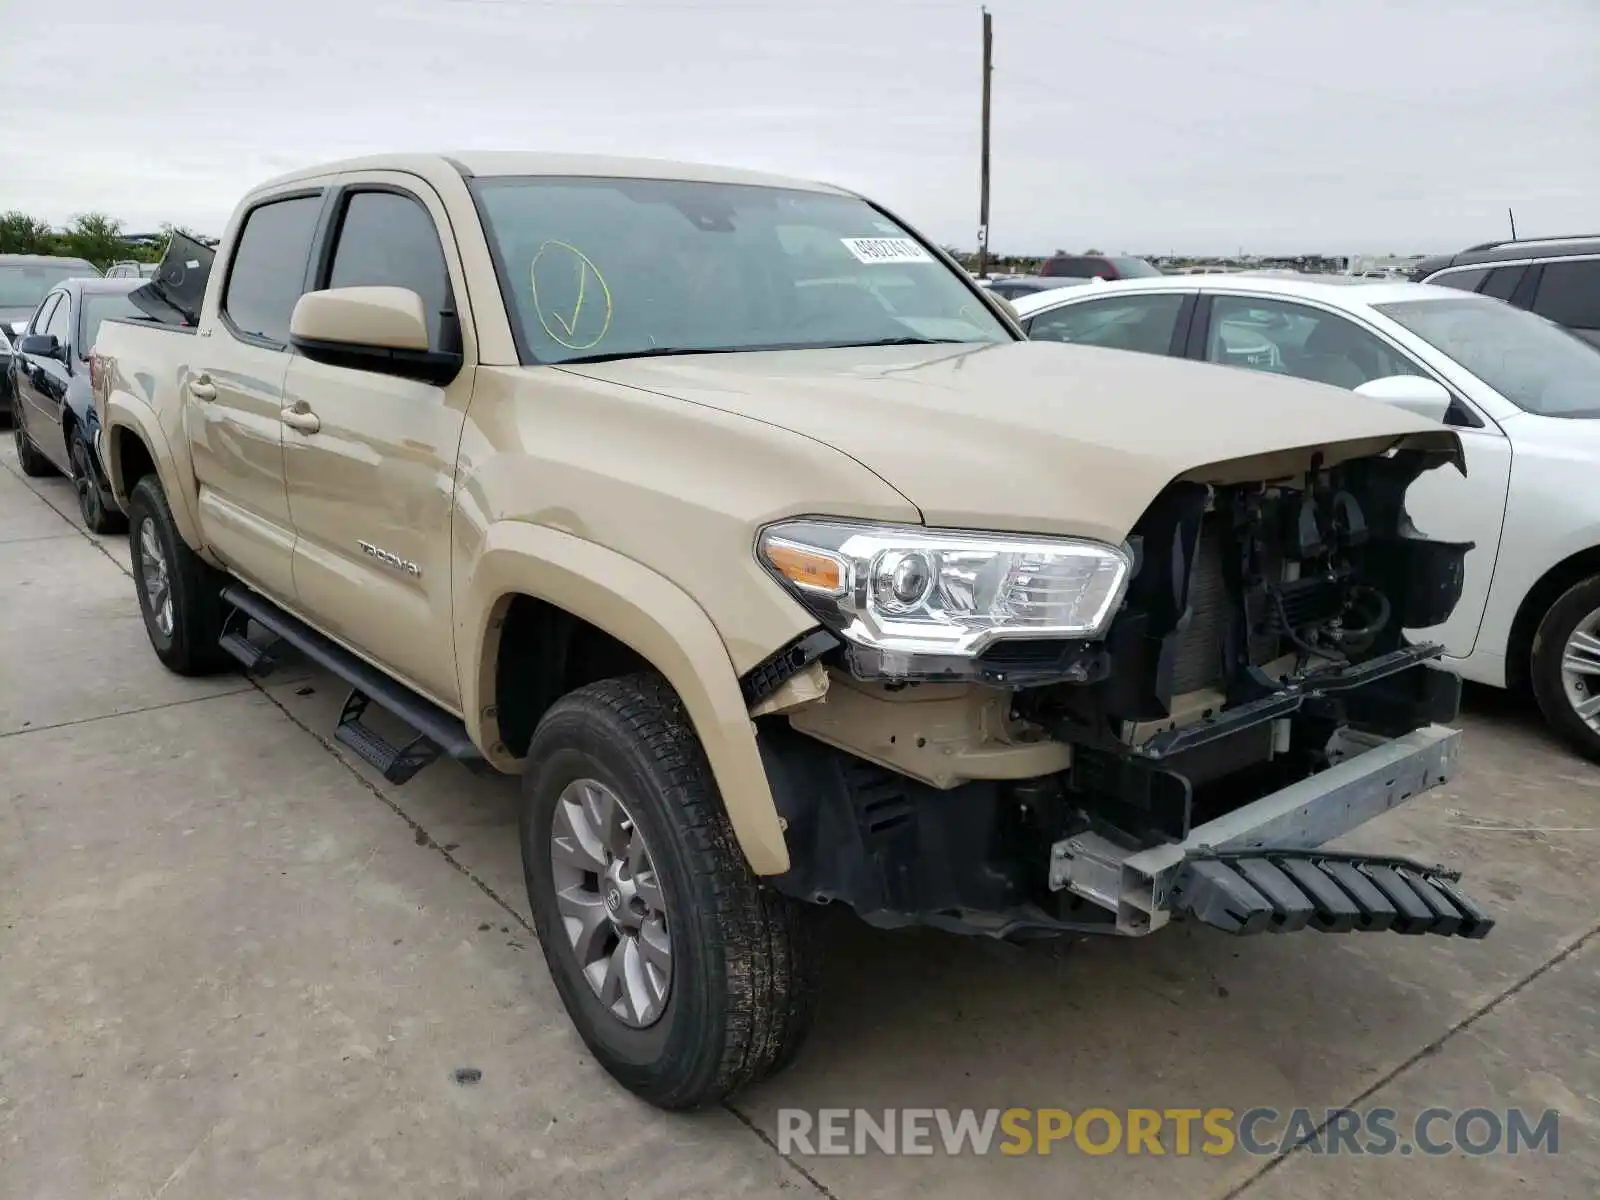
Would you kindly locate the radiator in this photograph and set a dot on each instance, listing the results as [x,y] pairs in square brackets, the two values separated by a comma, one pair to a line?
[1198,661]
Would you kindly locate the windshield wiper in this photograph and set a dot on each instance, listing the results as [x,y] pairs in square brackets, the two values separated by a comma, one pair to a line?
[655,352]
[898,341]
[754,348]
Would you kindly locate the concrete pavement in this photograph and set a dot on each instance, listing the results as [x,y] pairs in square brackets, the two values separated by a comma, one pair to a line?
[233,962]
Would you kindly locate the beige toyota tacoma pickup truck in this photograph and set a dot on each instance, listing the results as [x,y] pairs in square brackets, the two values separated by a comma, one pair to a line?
[727,511]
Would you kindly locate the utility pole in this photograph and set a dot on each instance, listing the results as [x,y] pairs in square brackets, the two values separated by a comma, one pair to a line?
[1512,217]
[983,171]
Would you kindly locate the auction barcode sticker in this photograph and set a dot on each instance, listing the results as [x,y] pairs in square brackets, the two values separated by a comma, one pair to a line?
[886,250]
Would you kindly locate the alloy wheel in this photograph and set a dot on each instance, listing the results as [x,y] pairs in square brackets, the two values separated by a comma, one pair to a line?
[611,903]
[153,573]
[83,480]
[1580,670]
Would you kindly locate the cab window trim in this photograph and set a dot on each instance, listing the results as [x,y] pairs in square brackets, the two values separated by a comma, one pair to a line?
[330,226]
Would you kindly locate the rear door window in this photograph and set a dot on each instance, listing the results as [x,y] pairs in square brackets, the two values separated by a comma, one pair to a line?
[1466,281]
[1144,323]
[1503,281]
[269,268]
[1569,294]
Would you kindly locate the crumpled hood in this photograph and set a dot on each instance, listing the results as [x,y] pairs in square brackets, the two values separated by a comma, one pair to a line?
[1035,436]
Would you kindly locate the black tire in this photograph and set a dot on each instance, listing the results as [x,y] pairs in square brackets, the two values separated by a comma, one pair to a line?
[190,648]
[1576,605]
[745,959]
[91,502]
[32,462]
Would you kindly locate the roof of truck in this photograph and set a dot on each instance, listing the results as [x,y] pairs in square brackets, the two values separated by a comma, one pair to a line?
[523,162]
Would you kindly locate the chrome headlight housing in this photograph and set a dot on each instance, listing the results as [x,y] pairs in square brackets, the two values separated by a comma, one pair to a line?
[912,602]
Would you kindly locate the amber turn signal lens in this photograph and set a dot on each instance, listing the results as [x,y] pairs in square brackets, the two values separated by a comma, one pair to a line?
[805,567]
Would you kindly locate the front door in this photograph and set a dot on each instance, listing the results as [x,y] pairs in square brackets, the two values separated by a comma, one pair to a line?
[42,380]
[233,401]
[1266,333]
[371,485]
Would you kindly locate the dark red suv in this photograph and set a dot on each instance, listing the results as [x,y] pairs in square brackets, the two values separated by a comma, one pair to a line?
[1095,266]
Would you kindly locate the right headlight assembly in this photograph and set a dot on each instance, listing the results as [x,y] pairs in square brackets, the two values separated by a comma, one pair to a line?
[912,602]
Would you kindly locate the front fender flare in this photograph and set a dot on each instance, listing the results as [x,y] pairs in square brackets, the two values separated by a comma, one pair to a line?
[645,611]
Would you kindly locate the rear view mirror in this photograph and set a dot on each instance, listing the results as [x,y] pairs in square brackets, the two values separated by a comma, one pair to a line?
[378,329]
[1414,393]
[375,318]
[40,345]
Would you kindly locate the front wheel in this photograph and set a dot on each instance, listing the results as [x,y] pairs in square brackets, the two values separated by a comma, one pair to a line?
[684,974]
[179,594]
[1566,666]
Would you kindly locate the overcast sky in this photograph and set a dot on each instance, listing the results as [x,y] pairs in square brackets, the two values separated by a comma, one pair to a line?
[1364,126]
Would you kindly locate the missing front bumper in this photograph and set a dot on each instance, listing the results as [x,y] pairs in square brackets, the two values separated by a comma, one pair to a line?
[1250,871]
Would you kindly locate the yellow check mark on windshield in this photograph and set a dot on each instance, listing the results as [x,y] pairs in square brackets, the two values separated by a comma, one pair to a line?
[577,305]
[564,329]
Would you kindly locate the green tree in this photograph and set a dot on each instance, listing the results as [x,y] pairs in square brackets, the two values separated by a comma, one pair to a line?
[22,234]
[96,237]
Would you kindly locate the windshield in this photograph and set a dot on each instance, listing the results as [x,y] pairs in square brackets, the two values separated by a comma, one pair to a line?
[99,307]
[1532,362]
[613,268]
[23,285]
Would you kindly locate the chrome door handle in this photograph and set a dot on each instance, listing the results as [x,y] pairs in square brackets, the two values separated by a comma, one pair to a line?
[202,388]
[301,420]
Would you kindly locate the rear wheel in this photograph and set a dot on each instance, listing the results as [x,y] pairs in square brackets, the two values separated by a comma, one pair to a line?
[91,501]
[1566,666]
[684,974]
[179,593]
[29,459]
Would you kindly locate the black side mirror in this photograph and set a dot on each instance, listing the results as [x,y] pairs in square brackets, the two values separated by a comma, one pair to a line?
[41,345]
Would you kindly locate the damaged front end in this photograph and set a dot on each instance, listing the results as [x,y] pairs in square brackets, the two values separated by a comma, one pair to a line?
[1246,695]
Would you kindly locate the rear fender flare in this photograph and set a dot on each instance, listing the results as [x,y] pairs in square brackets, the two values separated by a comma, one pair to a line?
[645,611]
[125,418]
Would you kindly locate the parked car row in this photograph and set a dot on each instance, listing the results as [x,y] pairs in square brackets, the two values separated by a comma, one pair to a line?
[54,421]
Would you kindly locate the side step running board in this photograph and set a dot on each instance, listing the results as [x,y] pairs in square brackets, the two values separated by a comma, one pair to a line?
[437,732]
[1280,891]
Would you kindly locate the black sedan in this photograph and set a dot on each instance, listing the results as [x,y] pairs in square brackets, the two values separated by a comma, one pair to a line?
[5,373]
[54,419]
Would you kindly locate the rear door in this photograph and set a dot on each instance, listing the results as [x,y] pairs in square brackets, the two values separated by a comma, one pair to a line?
[1569,294]
[233,410]
[371,488]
